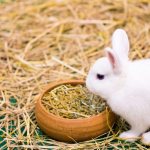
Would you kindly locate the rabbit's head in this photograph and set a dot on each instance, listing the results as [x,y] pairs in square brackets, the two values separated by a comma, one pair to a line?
[108,74]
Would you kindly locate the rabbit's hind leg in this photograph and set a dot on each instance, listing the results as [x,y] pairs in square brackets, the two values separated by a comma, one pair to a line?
[146,138]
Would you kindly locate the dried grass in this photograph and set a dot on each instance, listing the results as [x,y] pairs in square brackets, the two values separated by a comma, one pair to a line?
[44,41]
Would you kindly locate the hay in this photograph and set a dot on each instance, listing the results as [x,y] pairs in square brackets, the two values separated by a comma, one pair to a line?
[44,41]
[73,101]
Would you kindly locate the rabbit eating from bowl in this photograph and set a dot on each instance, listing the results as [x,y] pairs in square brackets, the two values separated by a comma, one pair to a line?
[125,85]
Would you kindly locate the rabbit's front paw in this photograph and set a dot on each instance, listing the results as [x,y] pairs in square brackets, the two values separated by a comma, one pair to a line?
[129,136]
[146,138]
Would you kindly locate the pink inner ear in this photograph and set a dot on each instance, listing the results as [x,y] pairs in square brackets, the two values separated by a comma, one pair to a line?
[111,59]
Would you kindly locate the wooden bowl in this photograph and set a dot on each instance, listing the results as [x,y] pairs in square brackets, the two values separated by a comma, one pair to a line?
[71,130]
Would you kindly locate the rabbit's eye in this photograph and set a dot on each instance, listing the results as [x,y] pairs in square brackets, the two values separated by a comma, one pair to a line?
[100,76]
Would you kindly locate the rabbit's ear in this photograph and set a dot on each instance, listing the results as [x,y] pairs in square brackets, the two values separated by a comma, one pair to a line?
[120,44]
[113,59]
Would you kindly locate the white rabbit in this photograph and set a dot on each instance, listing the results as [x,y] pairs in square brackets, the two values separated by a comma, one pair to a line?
[125,85]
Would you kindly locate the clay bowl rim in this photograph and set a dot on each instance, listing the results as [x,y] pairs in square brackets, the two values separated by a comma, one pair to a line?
[51,86]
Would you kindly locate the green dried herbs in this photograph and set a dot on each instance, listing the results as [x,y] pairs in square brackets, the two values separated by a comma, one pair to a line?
[73,101]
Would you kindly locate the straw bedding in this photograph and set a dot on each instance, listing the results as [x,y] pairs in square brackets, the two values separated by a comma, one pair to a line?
[44,41]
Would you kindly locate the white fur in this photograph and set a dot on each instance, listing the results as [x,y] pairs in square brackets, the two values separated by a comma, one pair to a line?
[120,36]
[126,92]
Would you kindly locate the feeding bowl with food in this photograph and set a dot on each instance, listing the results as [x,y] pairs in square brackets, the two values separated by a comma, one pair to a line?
[70,114]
